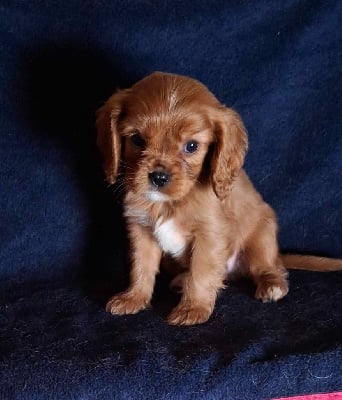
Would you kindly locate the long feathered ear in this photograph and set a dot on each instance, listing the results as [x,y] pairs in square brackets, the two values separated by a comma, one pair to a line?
[108,139]
[229,150]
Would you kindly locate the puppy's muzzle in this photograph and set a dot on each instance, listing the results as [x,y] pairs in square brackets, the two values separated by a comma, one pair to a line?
[159,178]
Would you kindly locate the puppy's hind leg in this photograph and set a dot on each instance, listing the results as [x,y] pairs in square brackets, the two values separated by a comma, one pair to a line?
[265,266]
[178,282]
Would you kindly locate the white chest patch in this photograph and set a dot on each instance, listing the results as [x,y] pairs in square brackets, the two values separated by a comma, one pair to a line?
[170,238]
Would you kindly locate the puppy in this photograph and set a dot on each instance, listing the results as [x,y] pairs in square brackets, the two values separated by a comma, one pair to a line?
[187,196]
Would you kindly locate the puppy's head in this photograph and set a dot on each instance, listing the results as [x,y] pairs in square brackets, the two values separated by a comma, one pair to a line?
[163,129]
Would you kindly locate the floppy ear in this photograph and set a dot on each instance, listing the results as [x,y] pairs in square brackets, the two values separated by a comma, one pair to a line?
[108,139]
[229,150]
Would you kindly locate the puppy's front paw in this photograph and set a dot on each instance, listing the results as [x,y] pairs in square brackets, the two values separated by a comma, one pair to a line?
[126,303]
[267,292]
[186,314]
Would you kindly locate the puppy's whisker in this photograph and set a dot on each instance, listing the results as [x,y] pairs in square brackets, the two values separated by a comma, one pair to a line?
[119,191]
[126,166]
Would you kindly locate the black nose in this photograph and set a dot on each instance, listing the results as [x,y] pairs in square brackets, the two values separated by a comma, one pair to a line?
[159,178]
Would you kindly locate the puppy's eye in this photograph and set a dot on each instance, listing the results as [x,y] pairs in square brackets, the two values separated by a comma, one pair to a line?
[138,141]
[191,146]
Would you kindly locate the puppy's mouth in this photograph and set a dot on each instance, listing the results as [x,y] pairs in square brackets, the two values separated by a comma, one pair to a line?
[155,196]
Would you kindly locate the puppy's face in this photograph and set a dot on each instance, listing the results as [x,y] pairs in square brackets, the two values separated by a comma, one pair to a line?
[161,129]
[164,150]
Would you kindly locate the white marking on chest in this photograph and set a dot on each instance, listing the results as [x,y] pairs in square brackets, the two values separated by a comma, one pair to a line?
[170,238]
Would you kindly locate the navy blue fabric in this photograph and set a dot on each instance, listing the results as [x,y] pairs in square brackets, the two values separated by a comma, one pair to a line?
[62,238]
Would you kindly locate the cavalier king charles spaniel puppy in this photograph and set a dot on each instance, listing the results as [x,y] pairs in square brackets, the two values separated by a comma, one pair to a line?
[180,152]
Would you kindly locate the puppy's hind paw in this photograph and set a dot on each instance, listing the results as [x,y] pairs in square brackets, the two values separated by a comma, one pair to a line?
[267,293]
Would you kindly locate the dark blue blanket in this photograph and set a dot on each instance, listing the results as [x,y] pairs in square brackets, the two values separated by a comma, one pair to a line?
[62,237]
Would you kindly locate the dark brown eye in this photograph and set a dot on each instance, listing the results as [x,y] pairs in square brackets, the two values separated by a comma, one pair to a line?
[138,141]
[191,146]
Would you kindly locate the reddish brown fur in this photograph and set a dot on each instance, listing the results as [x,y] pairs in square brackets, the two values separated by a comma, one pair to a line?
[214,211]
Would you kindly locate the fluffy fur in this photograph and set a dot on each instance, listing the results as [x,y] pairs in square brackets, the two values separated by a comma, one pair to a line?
[206,213]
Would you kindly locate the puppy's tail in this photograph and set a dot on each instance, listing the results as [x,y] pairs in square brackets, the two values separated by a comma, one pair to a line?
[311,263]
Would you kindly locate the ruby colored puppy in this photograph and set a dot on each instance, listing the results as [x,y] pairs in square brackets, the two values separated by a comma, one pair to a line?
[187,196]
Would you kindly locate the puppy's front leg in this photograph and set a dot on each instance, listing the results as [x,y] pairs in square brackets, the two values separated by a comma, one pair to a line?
[205,278]
[145,255]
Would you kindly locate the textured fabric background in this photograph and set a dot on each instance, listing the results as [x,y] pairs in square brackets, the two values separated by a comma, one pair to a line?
[62,238]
